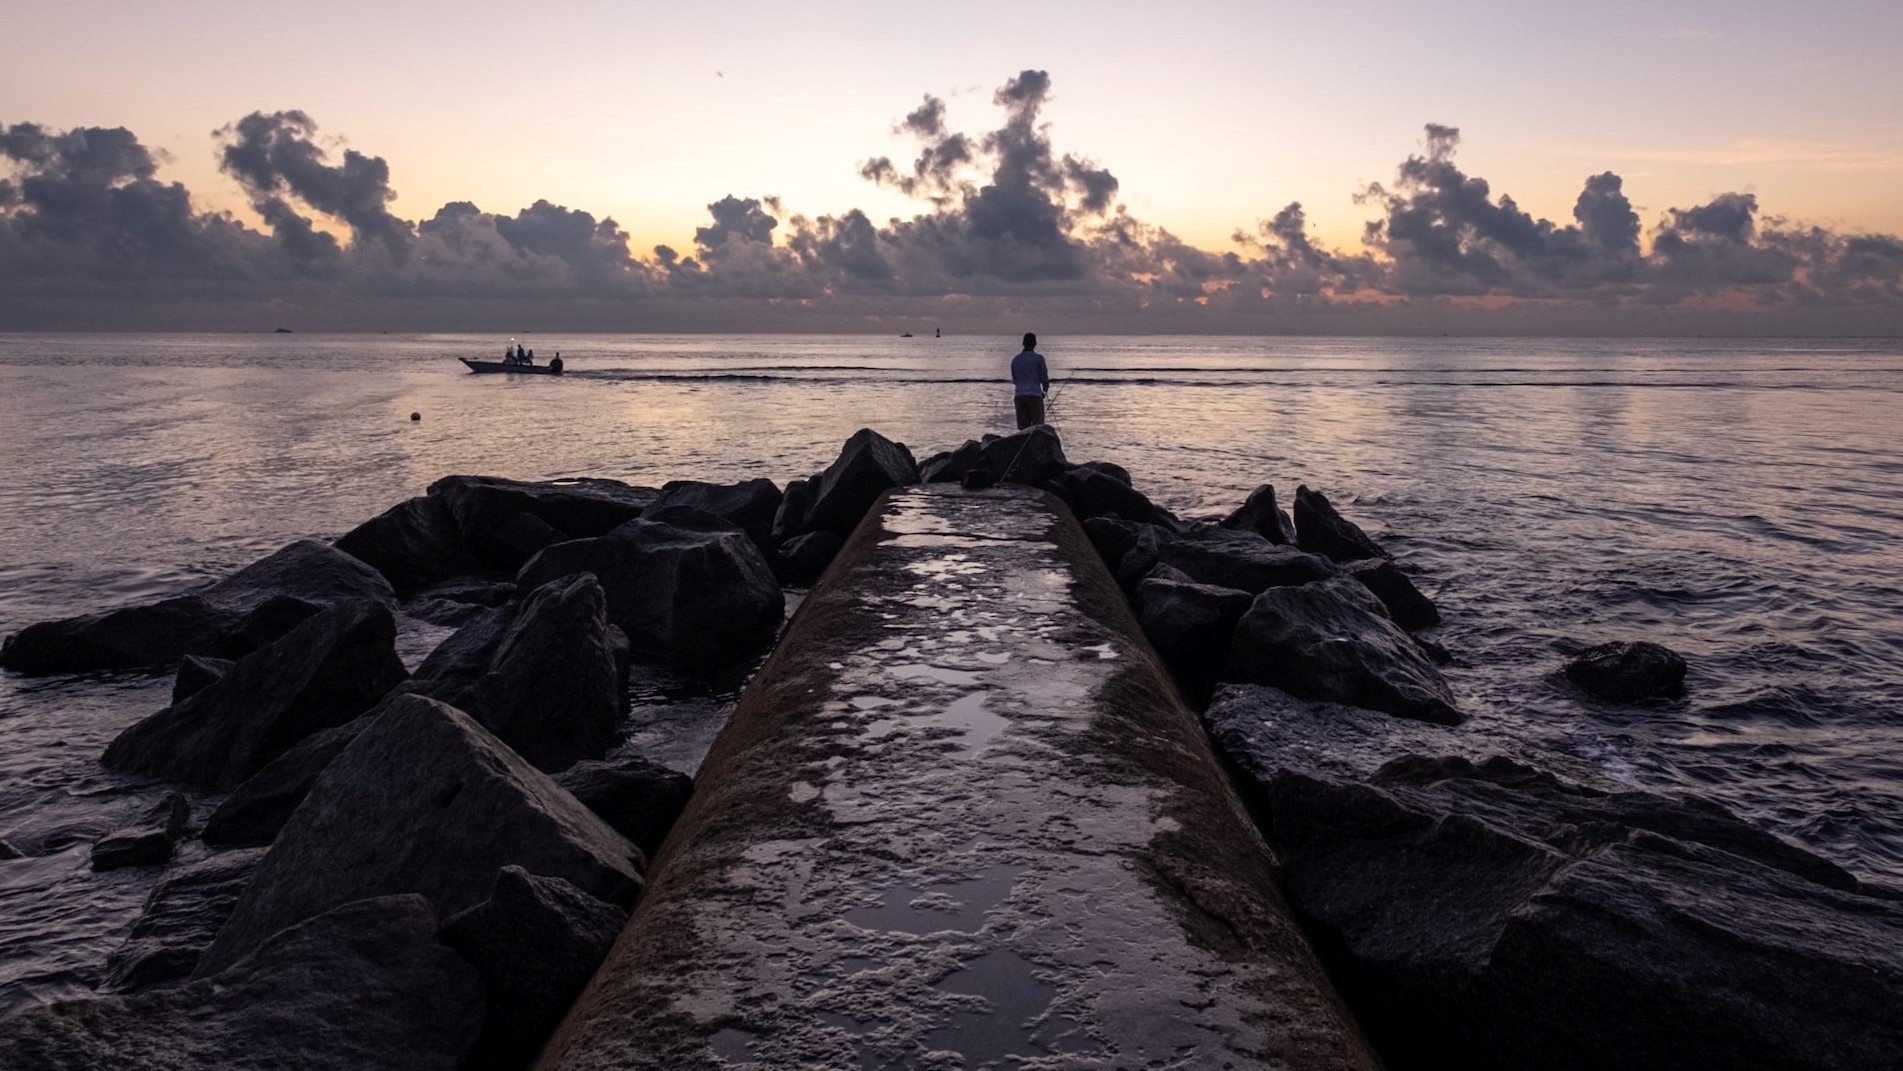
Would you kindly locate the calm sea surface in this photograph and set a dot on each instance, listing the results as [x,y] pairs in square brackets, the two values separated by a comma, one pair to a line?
[1737,501]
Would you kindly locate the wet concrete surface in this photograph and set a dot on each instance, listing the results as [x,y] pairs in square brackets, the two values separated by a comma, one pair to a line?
[961,819]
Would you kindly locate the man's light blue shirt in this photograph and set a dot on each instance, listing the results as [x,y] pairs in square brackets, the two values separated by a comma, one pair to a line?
[1030,375]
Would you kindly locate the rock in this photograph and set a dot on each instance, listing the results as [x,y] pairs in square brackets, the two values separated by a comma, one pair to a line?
[522,534]
[1248,564]
[325,672]
[1332,640]
[868,465]
[472,591]
[256,810]
[535,941]
[1190,625]
[196,673]
[789,520]
[1091,493]
[366,986]
[135,637]
[1031,457]
[803,558]
[580,508]
[1262,730]
[1260,514]
[542,674]
[182,914]
[8,851]
[1497,917]
[640,799]
[149,840]
[1110,469]
[1628,672]
[1406,605]
[950,466]
[442,612]
[314,572]
[231,618]
[685,586]
[425,801]
[413,545]
[1141,556]
[751,504]
[1321,530]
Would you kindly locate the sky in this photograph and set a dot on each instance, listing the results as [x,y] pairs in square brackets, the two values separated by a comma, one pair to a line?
[1197,123]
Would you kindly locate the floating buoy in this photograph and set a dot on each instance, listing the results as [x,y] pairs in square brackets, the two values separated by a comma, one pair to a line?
[416,416]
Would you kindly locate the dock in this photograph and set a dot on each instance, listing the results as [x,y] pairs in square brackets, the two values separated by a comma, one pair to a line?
[961,818]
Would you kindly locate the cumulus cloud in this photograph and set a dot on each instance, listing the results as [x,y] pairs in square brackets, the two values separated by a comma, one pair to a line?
[1006,224]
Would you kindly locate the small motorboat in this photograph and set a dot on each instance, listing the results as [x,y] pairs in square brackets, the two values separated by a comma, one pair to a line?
[551,369]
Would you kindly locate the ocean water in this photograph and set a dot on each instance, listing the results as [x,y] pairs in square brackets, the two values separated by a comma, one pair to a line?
[1735,500]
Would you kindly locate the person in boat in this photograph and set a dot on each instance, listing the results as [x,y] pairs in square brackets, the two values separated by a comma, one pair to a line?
[1031,380]
[556,364]
[530,359]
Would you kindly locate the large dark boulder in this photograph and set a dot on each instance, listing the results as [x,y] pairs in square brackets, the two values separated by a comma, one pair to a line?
[413,545]
[579,508]
[1143,554]
[535,941]
[423,801]
[1092,492]
[196,673]
[1029,457]
[314,572]
[1406,605]
[640,799]
[149,840]
[325,672]
[1262,730]
[182,914]
[1319,529]
[802,559]
[749,504]
[1628,672]
[367,986]
[1112,537]
[1260,514]
[1243,562]
[256,810]
[1333,641]
[685,587]
[1190,625]
[540,673]
[229,619]
[1493,916]
[789,521]
[868,466]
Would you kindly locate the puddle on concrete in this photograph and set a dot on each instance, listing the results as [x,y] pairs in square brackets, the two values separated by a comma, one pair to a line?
[1013,1022]
[916,671]
[958,906]
[979,723]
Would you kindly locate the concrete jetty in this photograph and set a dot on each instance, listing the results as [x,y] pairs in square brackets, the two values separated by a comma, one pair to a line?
[961,818]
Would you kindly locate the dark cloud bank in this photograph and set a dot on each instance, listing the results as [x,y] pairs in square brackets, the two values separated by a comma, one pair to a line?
[1008,231]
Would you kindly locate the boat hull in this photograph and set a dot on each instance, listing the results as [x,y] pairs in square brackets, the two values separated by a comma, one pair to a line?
[511,369]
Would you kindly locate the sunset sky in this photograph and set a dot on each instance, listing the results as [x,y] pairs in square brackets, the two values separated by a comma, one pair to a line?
[1212,117]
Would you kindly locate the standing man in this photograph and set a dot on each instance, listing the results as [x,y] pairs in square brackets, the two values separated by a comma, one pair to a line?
[1032,380]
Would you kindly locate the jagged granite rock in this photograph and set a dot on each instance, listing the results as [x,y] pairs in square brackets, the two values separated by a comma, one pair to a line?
[535,941]
[803,558]
[414,544]
[1332,640]
[366,986]
[149,840]
[1190,625]
[1111,469]
[1030,457]
[683,585]
[314,572]
[1243,561]
[1628,672]
[474,591]
[1492,916]
[640,799]
[578,508]
[323,673]
[196,673]
[1261,730]
[256,810]
[1092,492]
[1319,529]
[520,535]
[750,504]
[541,673]
[425,801]
[789,521]
[182,914]
[1406,605]
[1259,514]
[868,466]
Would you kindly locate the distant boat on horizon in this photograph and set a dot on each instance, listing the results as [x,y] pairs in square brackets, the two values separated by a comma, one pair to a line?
[905,334]
[282,331]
